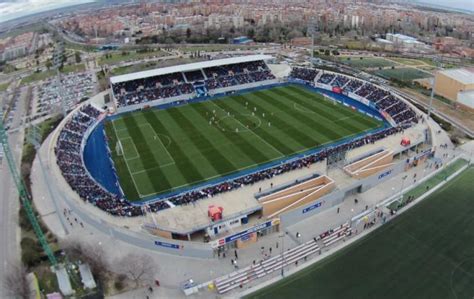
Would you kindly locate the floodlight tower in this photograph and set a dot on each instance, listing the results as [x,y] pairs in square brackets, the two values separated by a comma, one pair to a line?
[58,62]
[34,137]
[25,197]
[437,61]
[313,30]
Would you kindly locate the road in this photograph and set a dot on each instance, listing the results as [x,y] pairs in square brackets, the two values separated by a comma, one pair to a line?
[9,229]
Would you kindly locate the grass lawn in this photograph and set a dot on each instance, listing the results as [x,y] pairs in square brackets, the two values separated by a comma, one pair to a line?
[116,57]
[74,68]
[134,68]
[407,61]
[427,252]
[403,74]
[4,86]
[163,150]
[432,182]
[366,62]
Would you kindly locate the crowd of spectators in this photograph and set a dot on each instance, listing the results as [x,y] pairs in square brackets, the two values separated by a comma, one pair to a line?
[193,76]
[326,78]
[398,110]
[253,178]
[304,74]
[150,89]
[69,160]
[237,74]
[353,85]
[68,153]
[76,86]
[172,85]
[340,81]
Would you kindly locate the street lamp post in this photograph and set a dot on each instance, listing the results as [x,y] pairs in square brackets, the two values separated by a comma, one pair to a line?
[282,251]
[436,60]
[401,189]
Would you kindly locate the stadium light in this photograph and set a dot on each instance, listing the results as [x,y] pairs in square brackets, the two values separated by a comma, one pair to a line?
[58,62]
[436,60]
[34,137]
[282,250]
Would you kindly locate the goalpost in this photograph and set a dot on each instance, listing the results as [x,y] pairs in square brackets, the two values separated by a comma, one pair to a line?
[119,148]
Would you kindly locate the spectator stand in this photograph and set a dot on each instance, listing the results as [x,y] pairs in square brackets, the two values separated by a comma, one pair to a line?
[159,86]
[273,264]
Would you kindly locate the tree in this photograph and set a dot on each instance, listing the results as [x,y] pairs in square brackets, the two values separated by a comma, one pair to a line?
[16,282]
[92,255]
[251,33]
[138,268]
[48,64]
[77,56]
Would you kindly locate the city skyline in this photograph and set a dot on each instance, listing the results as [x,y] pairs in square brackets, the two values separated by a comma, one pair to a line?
[13,9]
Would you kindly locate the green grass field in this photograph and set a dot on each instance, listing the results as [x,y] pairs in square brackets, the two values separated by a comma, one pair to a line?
[366,62]
[408,61]
[403,74]
[163,150]
[427,252]
[433,181]
[116,57]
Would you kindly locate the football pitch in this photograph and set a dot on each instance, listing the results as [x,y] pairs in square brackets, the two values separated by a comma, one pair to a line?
[427,252]
[156,151]
[403,74]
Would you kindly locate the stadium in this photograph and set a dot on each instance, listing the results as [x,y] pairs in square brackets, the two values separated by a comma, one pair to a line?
[202,158]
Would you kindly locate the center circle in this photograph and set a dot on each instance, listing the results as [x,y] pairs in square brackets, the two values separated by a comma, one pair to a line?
[239,123]
[462,279]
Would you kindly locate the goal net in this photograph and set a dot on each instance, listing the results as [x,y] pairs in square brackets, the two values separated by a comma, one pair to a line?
[119,148]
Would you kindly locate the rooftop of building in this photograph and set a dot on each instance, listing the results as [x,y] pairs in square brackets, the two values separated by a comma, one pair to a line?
[463,75]
[187,67]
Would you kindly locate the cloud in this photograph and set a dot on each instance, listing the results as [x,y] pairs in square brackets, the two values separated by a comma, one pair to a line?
[12,9]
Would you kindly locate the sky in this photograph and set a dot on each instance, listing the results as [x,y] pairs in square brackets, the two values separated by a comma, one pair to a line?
[459,4]
[11,9]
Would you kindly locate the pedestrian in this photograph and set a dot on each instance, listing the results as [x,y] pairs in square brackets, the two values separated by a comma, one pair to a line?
[236,256]
[82,225]
[223,255]
[232,261]
[254,262]
[276,245]
[338,210]
[270,249]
